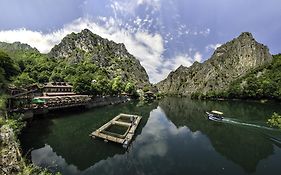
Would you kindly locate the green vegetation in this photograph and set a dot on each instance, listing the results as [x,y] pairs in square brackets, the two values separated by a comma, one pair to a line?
[264,82]
[16,124]
[8,69]
[2,106]
[261,83]
[32,169]
[160,95]
[8,66]
[29,67]
[275,120]
[22,66]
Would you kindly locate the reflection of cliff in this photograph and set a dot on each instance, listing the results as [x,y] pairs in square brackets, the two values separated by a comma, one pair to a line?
[27,143]
[68,134]
[47,158]
[162,148]
[241,145]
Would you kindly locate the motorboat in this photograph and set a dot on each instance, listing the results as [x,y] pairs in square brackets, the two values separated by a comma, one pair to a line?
[215,115]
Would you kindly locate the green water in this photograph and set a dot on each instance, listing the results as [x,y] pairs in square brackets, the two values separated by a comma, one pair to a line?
[174,137]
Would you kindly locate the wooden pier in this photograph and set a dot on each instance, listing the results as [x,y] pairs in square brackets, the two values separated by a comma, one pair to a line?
[126,121]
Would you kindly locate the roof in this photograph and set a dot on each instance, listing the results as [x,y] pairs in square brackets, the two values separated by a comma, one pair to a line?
[58,85]
[60,93]
[23,93]
[67,96]
[217,112]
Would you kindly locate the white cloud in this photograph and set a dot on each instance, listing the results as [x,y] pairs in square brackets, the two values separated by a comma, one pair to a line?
[33,38]
[147,47]
[47,156]
[212,47]
[155,3]
[205,32]
[137,21]
[198,57]
[129,6]
[179,60]
[168,65]
[45,41]
[151,41]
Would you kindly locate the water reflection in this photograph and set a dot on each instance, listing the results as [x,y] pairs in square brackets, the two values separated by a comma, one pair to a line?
[68,134]
[46,157]
[161,148]
[173,138]
[242,145]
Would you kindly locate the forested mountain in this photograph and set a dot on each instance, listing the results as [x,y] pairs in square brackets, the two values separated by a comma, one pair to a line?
[228,63]
[263,82]
[113,57]
[92,64]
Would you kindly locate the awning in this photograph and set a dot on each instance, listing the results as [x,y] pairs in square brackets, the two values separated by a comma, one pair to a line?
[38,101]
[217,112]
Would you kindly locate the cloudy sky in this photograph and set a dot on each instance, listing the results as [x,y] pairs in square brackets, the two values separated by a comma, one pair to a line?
[162,34]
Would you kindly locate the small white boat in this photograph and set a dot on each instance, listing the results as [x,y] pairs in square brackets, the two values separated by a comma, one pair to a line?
[215,115]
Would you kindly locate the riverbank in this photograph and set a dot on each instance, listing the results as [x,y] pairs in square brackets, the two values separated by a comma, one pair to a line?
[164,138]
[94,102]
[12,161]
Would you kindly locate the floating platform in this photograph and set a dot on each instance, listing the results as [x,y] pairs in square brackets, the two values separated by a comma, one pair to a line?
[120,129]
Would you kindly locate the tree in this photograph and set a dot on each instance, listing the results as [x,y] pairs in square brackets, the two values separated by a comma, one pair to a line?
[117,85]
[101,86]
[146,88]
[8,66]
[130,87]
[83,85]
[43,77]
[2,106]
[56,77]
[23,80]
[2,80]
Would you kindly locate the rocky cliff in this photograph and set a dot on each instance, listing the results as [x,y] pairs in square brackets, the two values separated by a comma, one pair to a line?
[229,62]
[86,46]
[10,156]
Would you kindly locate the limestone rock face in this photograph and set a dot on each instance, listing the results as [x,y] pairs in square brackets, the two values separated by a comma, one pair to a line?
[229,62]
[86,46]
[10,156]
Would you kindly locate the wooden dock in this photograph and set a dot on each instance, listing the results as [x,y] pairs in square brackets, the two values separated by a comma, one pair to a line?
[130,122]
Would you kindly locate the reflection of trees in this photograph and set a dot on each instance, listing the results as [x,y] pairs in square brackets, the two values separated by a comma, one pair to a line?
[28,140]
[68,134]
[243,146]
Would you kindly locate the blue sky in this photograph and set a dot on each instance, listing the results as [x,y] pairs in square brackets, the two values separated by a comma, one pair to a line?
[162,34]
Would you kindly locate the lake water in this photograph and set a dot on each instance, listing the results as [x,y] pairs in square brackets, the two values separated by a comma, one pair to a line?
[174,137]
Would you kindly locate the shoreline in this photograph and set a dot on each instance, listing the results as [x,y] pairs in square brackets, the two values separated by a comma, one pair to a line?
[96,102]
[11,156]
[262,100]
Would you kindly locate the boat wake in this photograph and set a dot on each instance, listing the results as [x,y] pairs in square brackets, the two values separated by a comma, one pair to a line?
[272,134]
[241,123]
[276,141]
